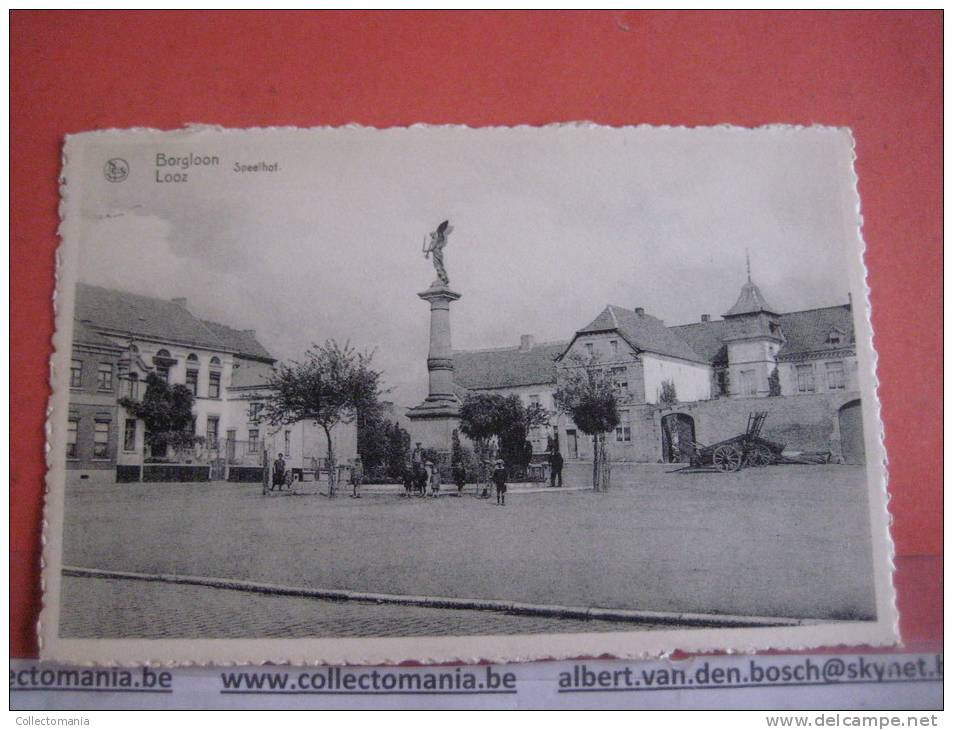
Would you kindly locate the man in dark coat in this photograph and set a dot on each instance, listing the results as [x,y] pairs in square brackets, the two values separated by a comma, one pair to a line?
[555,468]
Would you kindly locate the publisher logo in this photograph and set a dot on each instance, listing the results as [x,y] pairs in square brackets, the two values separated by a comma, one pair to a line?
[116,170]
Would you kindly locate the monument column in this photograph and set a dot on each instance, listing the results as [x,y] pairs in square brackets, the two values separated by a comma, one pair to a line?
[440,356]
[433,421]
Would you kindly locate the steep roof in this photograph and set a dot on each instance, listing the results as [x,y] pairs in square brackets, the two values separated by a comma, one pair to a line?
[148,317]
[507,367]
[707,339]
[83,334]
[750,301]
[643,332]
[242,341]
[807,331]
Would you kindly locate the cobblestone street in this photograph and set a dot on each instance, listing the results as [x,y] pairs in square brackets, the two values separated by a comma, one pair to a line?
[788,541]
[102,608]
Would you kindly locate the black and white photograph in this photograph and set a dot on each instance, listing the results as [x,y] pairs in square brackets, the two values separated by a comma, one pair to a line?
[447,393]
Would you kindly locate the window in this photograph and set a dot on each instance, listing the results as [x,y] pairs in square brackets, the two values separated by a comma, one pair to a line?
[104,376]
[193,358]
[835,336]
[133,349]
[134,386]
[748,386]
[129,435]
[194,425]
[287,444]
[253,441]
[101,440]
[211,431]
[835,376]
[215,362]
[76,374]
[805,378]
[590,349]
[623,432]
[214,384]
[254,411]
[534,399]
[161,360]
[620,380]
[192,381]
[72,432]
[614,344]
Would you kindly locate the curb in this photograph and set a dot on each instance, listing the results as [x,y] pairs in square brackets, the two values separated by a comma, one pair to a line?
[474,604]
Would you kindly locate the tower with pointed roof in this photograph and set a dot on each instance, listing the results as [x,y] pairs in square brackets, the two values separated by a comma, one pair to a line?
[753,337]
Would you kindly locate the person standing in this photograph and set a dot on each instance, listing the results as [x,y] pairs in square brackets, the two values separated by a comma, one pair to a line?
[459,477]
[555,468]
[357,477]
[433,478]
[278,473]
[499,479]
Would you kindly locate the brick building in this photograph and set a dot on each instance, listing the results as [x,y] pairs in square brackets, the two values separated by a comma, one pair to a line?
[119,339]
[697,381]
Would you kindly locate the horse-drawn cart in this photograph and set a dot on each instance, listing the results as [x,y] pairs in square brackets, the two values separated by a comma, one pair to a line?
[747,449]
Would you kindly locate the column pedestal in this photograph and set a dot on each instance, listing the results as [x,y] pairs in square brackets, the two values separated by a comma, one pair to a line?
[433,421]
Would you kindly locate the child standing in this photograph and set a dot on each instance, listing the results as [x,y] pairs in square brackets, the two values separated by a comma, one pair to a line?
[499,479]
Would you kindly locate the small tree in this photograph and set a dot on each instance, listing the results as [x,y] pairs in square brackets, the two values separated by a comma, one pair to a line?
[667,394]
[330,387]
[166,412]
[588,398]
[774,382]
[488,416]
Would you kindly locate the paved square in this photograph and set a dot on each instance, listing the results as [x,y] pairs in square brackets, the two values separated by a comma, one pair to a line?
[780,541]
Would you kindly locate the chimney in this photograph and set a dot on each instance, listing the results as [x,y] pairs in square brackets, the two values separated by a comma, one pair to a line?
[181,301]
[640,311]
[527,342]
[850,302]
[706,318]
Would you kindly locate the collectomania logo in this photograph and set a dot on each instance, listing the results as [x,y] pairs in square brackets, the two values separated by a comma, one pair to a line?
[116,170]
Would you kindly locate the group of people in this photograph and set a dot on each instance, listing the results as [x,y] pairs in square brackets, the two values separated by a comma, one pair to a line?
[421,476]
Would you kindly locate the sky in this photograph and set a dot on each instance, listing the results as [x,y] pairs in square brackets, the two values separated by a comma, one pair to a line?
[550,225]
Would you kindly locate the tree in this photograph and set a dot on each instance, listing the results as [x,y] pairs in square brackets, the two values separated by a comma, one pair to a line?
[383,446]
[488,416]
[667,394]
[331,386]
[588,398]
[774,382]
[166,412]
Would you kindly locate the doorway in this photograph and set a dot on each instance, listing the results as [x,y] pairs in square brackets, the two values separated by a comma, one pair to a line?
[678,438]
[572,444]
[850,420]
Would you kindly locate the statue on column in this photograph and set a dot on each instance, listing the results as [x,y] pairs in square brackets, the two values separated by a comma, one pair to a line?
[435,245]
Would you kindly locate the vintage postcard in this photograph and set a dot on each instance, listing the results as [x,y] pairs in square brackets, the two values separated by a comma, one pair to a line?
[365,396]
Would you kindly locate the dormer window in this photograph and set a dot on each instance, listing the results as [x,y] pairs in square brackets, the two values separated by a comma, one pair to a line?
[835,337]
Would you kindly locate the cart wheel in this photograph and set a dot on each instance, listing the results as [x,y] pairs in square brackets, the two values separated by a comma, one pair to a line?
[760,455]
[726,458]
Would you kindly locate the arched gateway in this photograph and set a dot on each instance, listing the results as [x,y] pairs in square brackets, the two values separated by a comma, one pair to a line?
[850,422]
[678,437]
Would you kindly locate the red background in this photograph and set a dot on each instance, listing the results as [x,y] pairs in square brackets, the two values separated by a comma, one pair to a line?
[879,73]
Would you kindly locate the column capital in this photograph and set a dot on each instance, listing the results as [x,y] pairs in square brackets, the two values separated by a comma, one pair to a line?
[439,293]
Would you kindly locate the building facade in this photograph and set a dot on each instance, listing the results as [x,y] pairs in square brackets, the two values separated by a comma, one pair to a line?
[695,382]
[119,340]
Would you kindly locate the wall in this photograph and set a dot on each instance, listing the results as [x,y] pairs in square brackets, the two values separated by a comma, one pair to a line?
[692,380]
[88,404]
[757,355]
[801,423]
[788,374]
